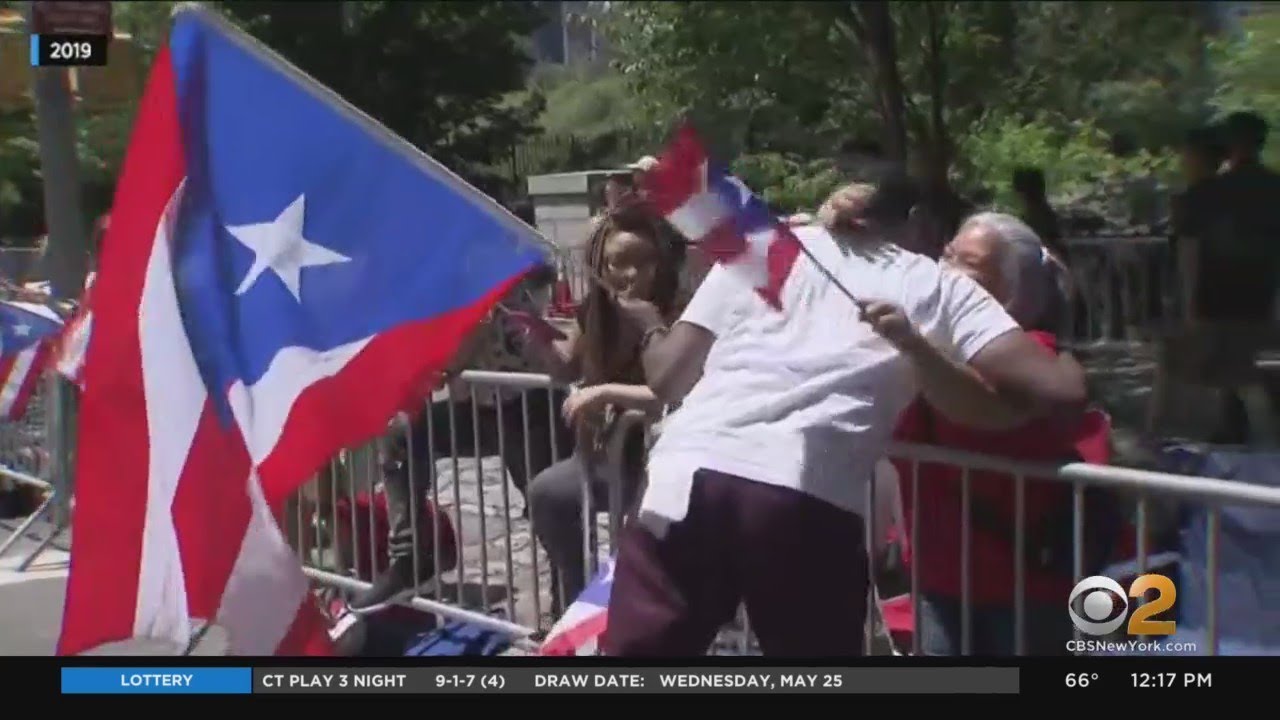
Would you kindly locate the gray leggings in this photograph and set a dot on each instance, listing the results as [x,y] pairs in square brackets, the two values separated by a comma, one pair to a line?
[555,507]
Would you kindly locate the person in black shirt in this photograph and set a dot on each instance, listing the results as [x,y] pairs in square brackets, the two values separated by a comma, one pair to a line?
[1239,230]
[1202,155]
[1233,222]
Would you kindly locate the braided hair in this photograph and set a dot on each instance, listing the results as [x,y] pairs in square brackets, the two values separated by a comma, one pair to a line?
[604,354]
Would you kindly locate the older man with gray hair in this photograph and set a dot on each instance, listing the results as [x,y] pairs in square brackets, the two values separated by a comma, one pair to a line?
[1005,256]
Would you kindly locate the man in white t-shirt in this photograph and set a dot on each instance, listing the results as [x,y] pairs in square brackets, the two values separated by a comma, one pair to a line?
[758,482]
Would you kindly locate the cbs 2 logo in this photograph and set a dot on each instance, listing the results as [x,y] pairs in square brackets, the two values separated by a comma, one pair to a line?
[1099,595]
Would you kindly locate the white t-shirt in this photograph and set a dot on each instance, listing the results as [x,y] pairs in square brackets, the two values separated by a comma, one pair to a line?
[807,397]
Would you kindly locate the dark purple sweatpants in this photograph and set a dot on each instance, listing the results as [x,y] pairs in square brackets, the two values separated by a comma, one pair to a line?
[798,563]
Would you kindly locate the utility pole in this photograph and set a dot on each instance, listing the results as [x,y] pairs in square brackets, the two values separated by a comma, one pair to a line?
[66,253]
[564,31]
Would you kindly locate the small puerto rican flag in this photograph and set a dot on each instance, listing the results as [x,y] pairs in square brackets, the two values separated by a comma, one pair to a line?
[73,344]
[578,631]
[717,211]
[27,334]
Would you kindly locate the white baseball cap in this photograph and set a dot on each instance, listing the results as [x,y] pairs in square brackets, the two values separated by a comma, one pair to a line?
[644,164]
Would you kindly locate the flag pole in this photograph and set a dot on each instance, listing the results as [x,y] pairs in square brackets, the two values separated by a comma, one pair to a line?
[829,275]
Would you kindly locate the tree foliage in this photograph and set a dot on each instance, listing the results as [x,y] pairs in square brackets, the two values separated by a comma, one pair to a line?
[439,74]
[1247,71]
[1076,159]
[762,74]
[102,135]
[809,77]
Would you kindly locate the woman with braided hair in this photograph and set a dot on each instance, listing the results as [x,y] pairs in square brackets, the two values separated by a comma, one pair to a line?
[629,256]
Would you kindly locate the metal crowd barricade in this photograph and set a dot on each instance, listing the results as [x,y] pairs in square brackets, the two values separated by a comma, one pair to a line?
[496,549]
[26,461]
[495,546]
[1125,288]
[497,576]
[1145,485]
[500,578]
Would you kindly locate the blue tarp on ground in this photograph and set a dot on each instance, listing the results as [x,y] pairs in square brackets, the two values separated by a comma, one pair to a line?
[1248,560]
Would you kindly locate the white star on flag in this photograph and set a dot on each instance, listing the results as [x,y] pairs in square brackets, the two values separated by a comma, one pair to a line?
[21,330]
[280,246]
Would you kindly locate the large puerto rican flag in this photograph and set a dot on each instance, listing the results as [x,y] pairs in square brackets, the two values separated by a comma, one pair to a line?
[721,215]
[279,275]
[28,333]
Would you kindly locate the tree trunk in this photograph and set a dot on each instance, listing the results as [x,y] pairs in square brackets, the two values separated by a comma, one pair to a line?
[947,207]
[880,44]
[939,154]
[1005,25]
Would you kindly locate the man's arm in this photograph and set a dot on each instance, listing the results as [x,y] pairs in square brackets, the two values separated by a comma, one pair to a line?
[674,356]
[1021,381]
[961,394]
[1009,381]
[673,360]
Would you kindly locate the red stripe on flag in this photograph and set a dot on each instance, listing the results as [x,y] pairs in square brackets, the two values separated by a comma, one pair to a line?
[725,243]
[6,369]
[308,635]
[679,173]
[574,638]
[209,514]
[112,461]
[783,253]
[403,358]
[30,381]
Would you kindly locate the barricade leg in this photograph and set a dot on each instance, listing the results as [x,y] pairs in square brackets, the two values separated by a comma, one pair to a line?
[44,545]
[21,530]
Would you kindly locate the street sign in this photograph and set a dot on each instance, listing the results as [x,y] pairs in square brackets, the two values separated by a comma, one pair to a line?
[71,18]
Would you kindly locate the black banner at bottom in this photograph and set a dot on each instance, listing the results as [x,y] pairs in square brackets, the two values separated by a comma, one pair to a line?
[914,676]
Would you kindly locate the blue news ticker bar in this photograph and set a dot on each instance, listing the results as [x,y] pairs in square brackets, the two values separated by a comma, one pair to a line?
[35,50]
[151,681]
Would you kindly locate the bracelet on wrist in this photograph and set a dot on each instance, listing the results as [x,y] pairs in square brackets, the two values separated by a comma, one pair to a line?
[652,333]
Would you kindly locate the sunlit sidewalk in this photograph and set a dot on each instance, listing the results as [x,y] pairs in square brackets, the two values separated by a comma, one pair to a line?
[31,600]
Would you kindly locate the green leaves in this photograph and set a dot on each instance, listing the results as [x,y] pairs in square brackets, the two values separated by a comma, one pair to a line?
[741,69]
[786,182]
[1075,157]
[1019,83]
[436,73]
[1246,68]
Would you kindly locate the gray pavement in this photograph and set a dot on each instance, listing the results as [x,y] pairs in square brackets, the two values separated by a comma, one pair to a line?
[30,601]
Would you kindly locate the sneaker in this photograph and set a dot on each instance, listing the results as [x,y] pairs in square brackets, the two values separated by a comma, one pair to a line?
[392,586]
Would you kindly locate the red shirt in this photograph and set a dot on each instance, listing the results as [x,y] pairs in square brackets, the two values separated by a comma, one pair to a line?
[991,551]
